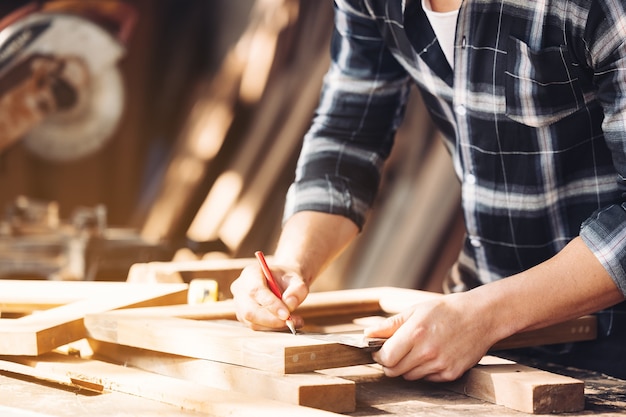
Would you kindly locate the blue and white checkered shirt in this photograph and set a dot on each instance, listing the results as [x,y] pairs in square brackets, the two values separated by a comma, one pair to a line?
[534,116]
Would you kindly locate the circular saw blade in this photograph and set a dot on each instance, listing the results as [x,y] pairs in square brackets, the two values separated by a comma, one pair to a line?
[84,99]
[65,136]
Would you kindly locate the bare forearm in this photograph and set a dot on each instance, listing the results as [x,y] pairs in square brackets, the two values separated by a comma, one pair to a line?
[310,240]
[441,338]
[567,286]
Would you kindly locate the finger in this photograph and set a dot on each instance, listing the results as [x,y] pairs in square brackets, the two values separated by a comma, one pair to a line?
[251,313]
[394,351]
[295,292]
[413,366]
[387,327]
[256,305]
[269,301]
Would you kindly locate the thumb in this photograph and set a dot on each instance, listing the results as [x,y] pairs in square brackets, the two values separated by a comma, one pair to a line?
[296,290]
[386,328]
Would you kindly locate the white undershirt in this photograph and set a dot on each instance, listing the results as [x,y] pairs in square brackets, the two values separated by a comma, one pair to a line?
[444,26]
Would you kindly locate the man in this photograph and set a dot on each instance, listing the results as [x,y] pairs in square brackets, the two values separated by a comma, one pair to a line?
[531,97]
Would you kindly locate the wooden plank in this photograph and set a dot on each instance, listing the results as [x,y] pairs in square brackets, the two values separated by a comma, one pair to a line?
[184,394]
[521,387]
[44,331]
[498,381]
[224,271]
[45,375]
[354,302]
[580,329]
[27,296]
[29,397]
[310,389]
[232,343]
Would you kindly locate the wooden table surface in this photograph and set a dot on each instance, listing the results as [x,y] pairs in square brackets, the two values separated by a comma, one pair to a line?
[603,397]
[22,397]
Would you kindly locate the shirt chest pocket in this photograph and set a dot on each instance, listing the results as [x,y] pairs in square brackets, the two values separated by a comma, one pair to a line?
[541,87]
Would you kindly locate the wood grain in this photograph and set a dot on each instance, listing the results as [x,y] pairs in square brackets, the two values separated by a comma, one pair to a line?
[184,394]
[309,389]
[497,381]
[232,343]
[521,387]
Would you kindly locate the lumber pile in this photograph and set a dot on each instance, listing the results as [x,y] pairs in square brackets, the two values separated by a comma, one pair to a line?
[189,353]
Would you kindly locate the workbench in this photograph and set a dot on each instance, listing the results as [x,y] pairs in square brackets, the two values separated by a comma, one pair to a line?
[25,397]
[150,353]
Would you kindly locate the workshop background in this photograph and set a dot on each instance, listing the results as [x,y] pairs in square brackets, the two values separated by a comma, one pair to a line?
[217,97]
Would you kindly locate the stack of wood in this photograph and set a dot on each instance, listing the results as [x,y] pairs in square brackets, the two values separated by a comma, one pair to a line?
[144,340]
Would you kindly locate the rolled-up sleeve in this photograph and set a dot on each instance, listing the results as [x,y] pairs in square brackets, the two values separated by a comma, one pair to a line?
[361,105]
[604,232]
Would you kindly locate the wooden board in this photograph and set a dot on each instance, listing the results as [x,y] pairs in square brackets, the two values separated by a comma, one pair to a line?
[46,330]
[183,394]
[30,397]
[224,271]
[309,389]
[521,388]
[231,342]
[395,396]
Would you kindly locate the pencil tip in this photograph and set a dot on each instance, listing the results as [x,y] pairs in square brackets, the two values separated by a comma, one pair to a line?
[289,324]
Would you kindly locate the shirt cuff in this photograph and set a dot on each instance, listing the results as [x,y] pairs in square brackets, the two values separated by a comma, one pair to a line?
[605,235]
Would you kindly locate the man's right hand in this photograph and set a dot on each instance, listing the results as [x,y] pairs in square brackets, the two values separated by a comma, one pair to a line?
[258,307]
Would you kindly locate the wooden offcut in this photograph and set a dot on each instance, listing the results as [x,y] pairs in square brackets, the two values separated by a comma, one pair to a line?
[521,388]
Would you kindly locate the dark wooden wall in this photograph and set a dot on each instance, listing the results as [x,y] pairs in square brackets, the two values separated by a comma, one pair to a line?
[175,45]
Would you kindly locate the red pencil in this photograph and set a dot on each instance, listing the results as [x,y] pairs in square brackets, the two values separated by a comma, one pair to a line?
[271,282]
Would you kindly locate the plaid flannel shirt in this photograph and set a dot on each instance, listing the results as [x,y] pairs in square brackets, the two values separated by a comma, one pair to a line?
[534,116]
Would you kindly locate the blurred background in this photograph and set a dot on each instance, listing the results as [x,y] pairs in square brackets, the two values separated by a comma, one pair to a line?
[195,146]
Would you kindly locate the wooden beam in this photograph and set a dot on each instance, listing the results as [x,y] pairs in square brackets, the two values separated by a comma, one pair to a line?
[310,389]
[230,342]
[521,388]
[498,381]
[46,330]
[184,394]
[580,329]
[223,271]
[356,302]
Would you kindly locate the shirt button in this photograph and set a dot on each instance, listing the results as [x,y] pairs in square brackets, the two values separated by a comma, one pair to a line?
[460,110]
[475,243]
[470,179]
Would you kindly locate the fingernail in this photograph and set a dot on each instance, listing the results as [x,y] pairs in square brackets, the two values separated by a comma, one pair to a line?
[283,314]
[368,331]
[290,301]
